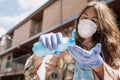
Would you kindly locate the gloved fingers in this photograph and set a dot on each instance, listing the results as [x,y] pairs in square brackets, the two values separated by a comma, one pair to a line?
[81,51]
[43,40]
[85,53]
[97,61]
[75,52]
[96,49]
[76,55]
[54,41]
[59,37]
[49,41]
[71,52]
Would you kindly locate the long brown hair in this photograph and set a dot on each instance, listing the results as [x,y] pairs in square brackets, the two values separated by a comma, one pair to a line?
[108,33]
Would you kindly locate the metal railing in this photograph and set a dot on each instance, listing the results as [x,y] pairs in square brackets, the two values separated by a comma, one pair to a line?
[13,67]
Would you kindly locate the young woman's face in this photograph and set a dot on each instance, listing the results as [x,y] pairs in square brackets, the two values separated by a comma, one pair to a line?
[90,14]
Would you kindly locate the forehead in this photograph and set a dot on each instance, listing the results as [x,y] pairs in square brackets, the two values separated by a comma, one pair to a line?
[90,11]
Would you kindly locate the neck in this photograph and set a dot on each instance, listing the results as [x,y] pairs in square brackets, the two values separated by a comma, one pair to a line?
[88,43]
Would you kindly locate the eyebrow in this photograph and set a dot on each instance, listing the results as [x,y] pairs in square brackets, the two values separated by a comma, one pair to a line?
[92,17]
[85,14]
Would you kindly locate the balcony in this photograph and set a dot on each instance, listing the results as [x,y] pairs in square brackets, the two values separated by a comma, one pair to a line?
[13,67]
[36,28]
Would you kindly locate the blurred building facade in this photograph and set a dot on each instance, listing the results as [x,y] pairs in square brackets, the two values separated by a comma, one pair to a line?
[53,16]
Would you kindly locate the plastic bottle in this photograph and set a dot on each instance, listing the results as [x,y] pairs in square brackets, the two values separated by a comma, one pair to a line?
[40,51]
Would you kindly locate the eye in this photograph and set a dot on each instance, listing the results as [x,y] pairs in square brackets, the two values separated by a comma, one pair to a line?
[94,20]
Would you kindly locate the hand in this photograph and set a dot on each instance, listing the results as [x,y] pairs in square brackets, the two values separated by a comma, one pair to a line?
[51,40]
[90,58]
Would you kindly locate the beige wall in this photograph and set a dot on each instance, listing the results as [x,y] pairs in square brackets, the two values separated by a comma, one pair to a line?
[22,33]
[51,15]
[70,8]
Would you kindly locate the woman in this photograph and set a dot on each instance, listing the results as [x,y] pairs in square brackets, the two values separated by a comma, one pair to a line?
[95,55]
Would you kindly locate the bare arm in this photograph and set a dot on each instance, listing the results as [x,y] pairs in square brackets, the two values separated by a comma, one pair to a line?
[99,70]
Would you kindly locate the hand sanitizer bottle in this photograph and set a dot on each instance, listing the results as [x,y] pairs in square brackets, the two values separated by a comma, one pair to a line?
[40,51]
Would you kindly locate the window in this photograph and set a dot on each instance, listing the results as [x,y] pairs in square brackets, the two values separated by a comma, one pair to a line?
[8,62]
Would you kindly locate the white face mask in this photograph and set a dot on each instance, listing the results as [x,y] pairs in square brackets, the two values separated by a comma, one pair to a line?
[86,28]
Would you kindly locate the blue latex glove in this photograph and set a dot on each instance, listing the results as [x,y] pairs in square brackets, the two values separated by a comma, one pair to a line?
[90,58]
[50,41]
